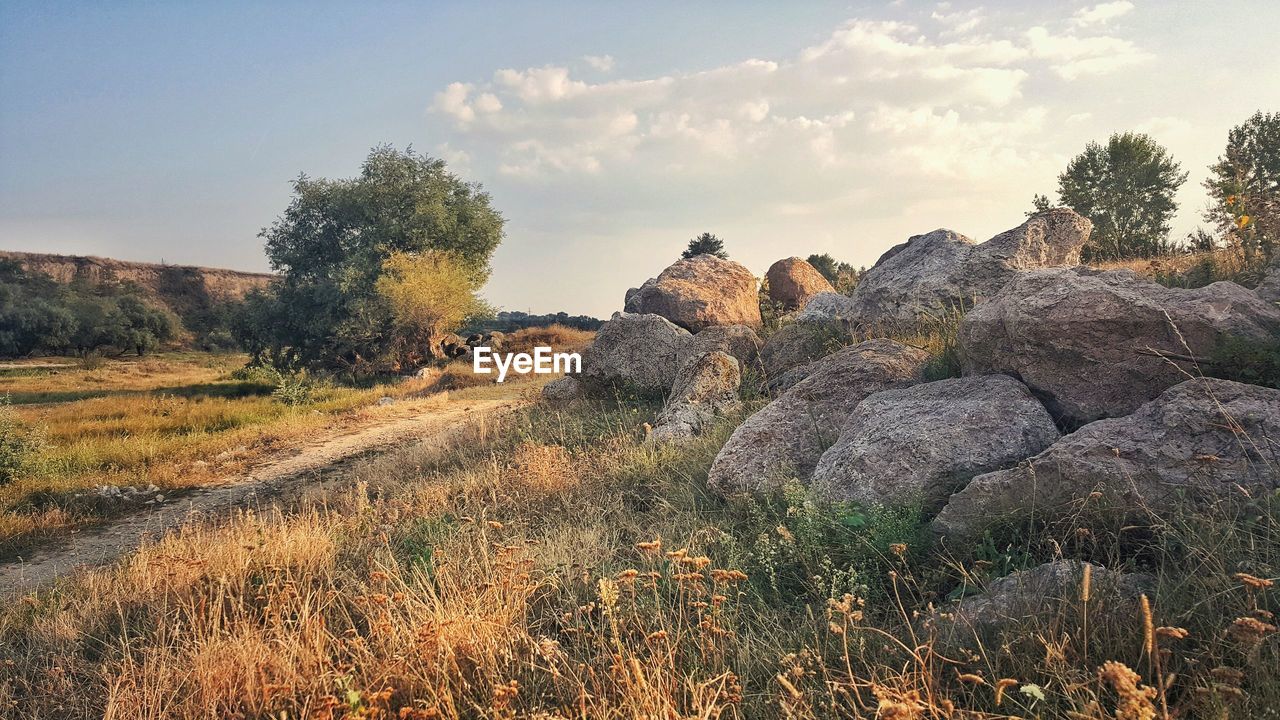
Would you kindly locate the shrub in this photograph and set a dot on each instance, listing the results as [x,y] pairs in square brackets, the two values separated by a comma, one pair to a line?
[295,389]
[18,445]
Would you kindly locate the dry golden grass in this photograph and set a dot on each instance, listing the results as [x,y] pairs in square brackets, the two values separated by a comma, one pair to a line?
[1193,269]
[554,565]
[176,421]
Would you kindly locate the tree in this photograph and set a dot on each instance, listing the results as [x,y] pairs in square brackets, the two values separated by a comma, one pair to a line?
[1126,189]
[428,295]
[842,276]
[140,326]
[705,244]
[1039,203]
[332,245]
[1244,186]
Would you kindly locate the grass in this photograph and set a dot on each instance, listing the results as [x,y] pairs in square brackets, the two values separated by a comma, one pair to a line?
[555,565]
[175,421]
[1192,270]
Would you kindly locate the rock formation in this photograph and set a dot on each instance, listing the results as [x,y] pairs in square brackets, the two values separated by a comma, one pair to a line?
[699,292]
[1096,344]
[924,442]
[786,437]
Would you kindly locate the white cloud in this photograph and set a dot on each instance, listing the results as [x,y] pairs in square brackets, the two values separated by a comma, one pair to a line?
[879,120]
[603,63]
[1073,56]
[1102,13]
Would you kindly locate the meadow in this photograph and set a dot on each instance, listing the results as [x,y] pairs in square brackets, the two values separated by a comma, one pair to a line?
[553,564]
[177,420]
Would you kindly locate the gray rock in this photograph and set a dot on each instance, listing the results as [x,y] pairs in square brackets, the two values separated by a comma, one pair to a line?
[1049,593]
[564,393]
[639,351]
[793,281]
[799,343]
[922,443]
[827,306]
[935,274]
[699,292]
[786,437]
[1269,288]
[705,388]
[1199,441]
[739,341]
[1086,342]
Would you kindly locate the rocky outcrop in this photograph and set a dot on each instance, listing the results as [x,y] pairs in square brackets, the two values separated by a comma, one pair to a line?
[943,271]
[636,351]
[699,292]
[705,388]
[1010,607]
[1202,440]
[564,393]
[739,341]
[827,306]
[1269,288]
[786,437]
[1096,344]
[799,343]
[922,443]
[792,282]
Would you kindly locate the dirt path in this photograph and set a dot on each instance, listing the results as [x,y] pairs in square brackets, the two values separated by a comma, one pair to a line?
[279,477]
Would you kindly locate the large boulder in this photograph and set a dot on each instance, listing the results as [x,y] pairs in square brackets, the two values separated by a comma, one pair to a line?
[637,351]
[564,392]
[1046,595]
[827,306]
[1095,344]
[1269,288]
[698,292]
[1198,441]
[922,443]
[705,388]
[739,341]
[792,282]
[799,343]
[942,271]
[786,437]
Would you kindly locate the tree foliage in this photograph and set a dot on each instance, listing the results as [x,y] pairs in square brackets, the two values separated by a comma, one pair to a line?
[38,314]
[1126,188]
[428,295]
[333,244]
[705,244]
[1244,186]
[842,276]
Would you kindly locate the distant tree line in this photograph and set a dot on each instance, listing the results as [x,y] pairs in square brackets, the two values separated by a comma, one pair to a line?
[1126,187]
[40,315]
[505,321]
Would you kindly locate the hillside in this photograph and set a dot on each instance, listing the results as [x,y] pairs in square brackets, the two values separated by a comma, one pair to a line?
[178,286]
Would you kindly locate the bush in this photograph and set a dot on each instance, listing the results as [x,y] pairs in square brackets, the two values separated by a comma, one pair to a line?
[295,389]
[18,445]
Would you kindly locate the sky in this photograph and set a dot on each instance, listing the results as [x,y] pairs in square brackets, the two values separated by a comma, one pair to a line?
[608,134]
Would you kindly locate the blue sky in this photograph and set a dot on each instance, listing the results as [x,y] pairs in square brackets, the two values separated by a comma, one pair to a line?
[607,133]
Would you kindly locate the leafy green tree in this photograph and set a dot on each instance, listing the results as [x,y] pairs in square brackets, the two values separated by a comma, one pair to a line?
[332,243]
[141,327]
[429,295]
[705,244]
[1244,186]
[1126,188]
[842,276]
[1039,203]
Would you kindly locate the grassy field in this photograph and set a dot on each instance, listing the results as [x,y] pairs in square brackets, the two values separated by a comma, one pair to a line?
[555,565]
[174,421]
